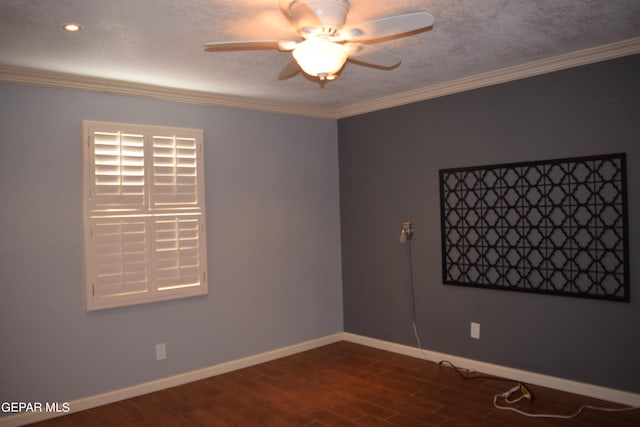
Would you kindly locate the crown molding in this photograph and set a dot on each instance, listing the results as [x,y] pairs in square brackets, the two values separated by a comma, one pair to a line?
[17,75]
[530,69]
[28,76]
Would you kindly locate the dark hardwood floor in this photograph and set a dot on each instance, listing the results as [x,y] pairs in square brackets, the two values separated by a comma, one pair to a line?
[343,384]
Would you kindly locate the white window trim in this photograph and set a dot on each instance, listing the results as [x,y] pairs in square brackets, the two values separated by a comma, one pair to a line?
[168,236]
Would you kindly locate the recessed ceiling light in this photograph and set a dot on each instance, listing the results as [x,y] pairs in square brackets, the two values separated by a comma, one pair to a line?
[72,27]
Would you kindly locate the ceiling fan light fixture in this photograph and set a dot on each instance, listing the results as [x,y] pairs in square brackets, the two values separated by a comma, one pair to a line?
[321,58]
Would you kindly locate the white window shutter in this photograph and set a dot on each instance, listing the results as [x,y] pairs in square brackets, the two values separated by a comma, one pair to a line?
[175,172]
[145,237]
[119,248]
[118,180]
[178,255]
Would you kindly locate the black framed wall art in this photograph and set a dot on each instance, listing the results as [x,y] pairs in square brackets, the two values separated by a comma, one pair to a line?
[555,226]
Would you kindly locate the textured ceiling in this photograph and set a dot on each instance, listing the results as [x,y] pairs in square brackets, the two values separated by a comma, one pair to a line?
[160,42]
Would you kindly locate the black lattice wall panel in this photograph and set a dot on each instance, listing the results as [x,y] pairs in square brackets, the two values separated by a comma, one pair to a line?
[557,227]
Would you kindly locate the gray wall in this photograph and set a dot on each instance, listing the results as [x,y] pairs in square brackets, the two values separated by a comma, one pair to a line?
[389,162]
[273,241]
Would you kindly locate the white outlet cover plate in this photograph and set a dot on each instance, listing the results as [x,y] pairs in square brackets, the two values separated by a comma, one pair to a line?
[475,330]
[161,351]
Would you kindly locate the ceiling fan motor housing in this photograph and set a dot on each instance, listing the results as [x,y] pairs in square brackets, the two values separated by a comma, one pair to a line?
[324,16]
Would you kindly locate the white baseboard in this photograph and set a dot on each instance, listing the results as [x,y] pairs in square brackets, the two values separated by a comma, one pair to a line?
[609,394]
[584,389]
[164,383]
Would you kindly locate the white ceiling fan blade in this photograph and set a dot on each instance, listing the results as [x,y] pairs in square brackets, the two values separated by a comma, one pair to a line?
[388,27]
[250,45]
[289,70]
[369,55]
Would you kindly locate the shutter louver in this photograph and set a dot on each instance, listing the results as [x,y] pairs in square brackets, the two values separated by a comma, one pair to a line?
[144,214]
[177,253]
[175,172]
[119,177]
[120,251]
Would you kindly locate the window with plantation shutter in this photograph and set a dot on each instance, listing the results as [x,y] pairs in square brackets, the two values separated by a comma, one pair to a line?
[144,219]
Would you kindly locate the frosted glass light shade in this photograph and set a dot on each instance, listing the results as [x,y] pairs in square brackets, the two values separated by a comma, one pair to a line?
[320,58]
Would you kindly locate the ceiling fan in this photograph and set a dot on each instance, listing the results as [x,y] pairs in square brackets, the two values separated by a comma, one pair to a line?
[328,43]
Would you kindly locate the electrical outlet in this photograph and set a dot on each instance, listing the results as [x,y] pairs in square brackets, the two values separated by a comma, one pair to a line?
[475,330]
[161,351]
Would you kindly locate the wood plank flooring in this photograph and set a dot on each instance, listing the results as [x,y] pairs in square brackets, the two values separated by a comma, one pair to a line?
[343,384]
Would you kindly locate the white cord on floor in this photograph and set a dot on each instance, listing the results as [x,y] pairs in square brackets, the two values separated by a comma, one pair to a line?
[525,393]
[532,415]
